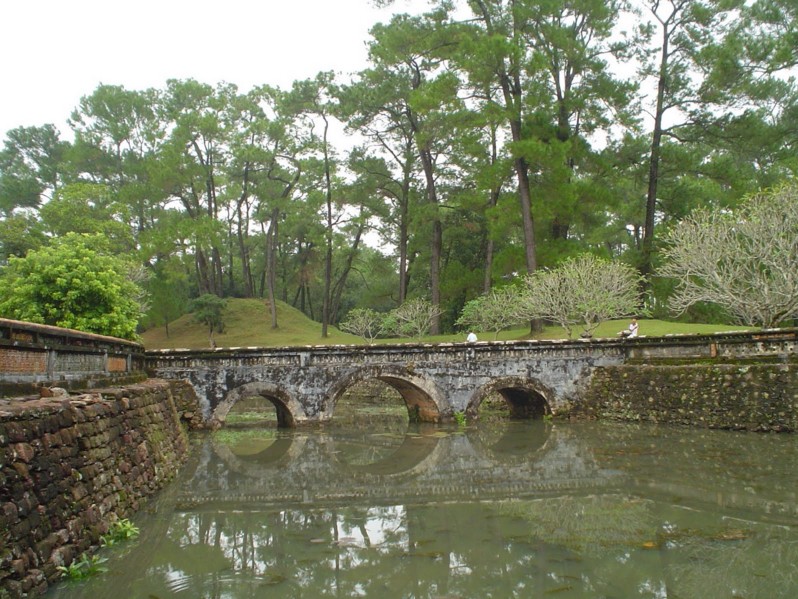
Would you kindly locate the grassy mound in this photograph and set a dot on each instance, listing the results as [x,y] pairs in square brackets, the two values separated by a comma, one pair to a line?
[247,324]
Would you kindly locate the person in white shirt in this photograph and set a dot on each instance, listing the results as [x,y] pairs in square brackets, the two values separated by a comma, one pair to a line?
[631,331]
[471,337]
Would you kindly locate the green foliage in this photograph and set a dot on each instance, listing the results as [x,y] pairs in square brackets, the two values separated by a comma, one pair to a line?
[88,208]
[208,309]
[30,161]
[75,283]
[83,568]
[19,234]
[169,292]
[119,531]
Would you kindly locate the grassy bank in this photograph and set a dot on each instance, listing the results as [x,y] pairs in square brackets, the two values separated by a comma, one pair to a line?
[248,324]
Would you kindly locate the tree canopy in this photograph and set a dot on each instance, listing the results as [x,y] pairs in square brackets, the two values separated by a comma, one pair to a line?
[485,140]
[208,309]
[75,283]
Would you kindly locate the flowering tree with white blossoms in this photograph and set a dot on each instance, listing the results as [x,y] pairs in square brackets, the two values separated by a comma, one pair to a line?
[494,311]
[584,290]
[745,260]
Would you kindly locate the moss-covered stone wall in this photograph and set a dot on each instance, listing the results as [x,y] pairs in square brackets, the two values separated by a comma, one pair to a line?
[738,396]
[70,465]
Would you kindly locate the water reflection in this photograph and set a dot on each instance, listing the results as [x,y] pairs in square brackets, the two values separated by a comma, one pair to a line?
[510,510]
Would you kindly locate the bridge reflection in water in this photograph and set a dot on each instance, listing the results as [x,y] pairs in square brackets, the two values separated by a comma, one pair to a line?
[425,464]
[507,509]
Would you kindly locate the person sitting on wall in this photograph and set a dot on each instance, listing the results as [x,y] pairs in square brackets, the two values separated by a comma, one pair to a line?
[631,331]
[472,337]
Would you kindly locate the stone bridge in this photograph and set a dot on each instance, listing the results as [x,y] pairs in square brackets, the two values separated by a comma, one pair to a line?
[535,378]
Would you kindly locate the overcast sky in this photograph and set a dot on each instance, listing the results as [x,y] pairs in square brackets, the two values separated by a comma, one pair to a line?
[55,51]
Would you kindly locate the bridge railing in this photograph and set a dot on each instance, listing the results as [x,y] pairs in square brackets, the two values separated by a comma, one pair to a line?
[36,355]
[769,343]
[741,344]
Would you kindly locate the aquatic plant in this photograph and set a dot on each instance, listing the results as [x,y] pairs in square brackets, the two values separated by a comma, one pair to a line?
[121,530]
[84,567]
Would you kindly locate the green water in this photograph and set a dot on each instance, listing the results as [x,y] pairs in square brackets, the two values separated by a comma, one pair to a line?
[499,510]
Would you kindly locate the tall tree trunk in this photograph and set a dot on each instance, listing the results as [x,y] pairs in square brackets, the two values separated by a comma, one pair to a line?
[654,160]
[218,272]
[522,173]
[328,250]
[246,267]
[510,83]
[271,265]
[487,281]
[203,276]
[207,161]
[493,200]
[340,283]
[404,215]
[436,242]
[242,235]
[272,240]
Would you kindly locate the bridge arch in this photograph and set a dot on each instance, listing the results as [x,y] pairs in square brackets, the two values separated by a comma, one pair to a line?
[422,397]
[526,398]
[289,410]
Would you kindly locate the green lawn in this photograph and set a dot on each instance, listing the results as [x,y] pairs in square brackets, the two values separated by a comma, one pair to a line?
[248,324]
[611,328]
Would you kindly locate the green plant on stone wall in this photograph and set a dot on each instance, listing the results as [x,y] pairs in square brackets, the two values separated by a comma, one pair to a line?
[121,530]
[84,567]
[460,418]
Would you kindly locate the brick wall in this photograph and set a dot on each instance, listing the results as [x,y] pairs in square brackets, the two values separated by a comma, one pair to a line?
[16,361]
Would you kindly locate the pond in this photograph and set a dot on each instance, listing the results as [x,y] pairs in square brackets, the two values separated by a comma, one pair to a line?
[498,509]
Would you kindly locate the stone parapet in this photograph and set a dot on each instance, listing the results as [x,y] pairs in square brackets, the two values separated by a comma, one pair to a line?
[36,355]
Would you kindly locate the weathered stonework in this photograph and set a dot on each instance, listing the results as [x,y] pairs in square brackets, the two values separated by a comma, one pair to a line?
[36,355]
[71,465]
[535,378]
[747,395]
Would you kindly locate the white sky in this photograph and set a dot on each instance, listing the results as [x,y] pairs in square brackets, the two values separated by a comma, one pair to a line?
[56,51]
